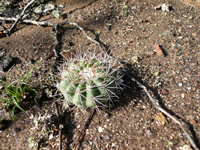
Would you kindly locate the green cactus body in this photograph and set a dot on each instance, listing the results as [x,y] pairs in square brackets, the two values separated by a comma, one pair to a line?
[88,81]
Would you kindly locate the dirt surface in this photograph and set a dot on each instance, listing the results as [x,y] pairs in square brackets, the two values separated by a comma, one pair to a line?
[160,48]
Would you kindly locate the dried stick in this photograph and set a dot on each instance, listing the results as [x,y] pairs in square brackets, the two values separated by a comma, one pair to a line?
[45,23]
[21,15]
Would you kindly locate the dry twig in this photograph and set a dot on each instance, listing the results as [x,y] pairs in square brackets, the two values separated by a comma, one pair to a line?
[21,15]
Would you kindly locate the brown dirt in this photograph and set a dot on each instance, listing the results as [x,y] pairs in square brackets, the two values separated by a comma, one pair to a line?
[131,123]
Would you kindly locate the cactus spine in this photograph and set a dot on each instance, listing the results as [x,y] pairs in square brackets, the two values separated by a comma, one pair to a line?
[89,80]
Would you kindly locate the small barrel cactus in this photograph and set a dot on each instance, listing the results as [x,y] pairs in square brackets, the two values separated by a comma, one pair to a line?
[89,80]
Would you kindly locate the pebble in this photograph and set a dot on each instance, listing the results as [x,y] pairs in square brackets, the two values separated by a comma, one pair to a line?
[43,8]
[158,50]
[161,119]
[100,129]
[180,84]
[194,34]
[165,92]
[2,34]
[186,147]
[164,7]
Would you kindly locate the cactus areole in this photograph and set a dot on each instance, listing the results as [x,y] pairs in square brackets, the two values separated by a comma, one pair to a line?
[89,80]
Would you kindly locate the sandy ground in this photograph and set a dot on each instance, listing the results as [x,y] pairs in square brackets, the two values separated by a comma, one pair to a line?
[166,44]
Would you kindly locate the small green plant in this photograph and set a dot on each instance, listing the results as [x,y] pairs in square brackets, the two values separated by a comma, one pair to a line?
[124,11]
[57,13]
[15,92]
[89,80]
[33,142]
[5,4]
[170,144]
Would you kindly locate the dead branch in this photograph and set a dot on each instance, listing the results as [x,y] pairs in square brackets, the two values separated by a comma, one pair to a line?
[47,23]
[21,15]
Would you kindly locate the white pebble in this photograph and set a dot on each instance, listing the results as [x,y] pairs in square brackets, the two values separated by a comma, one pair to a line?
[180,84]
[100,129]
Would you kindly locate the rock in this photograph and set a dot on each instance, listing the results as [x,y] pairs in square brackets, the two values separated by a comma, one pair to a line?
[163,7]
[161,119]
[165,92]
[2,34]
[194,34]
[42,8]
[158,50]
[100,129]
[5,61]
[186,147]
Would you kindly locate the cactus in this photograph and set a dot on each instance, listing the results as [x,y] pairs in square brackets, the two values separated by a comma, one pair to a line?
[89,80]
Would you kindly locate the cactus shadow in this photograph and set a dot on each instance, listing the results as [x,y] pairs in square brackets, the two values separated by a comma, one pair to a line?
[140,94]
[131,92]
[67,120]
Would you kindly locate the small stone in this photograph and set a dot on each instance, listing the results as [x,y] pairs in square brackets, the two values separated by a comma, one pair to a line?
[129,28]
[186,147]
[158,50]
[50,136]
[148,132]
[194,34]
[165,92]
[43,8]
[100,129]
[18,72]
[193,89]
[190,17]
[180,84]
[2,34]
[165,7]
[193,122]
[161,119]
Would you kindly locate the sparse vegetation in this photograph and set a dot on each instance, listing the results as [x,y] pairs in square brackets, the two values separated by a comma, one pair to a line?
[15,92]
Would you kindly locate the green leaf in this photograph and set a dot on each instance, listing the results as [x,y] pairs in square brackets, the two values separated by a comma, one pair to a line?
[13,113]
[16,104]
[57,13]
